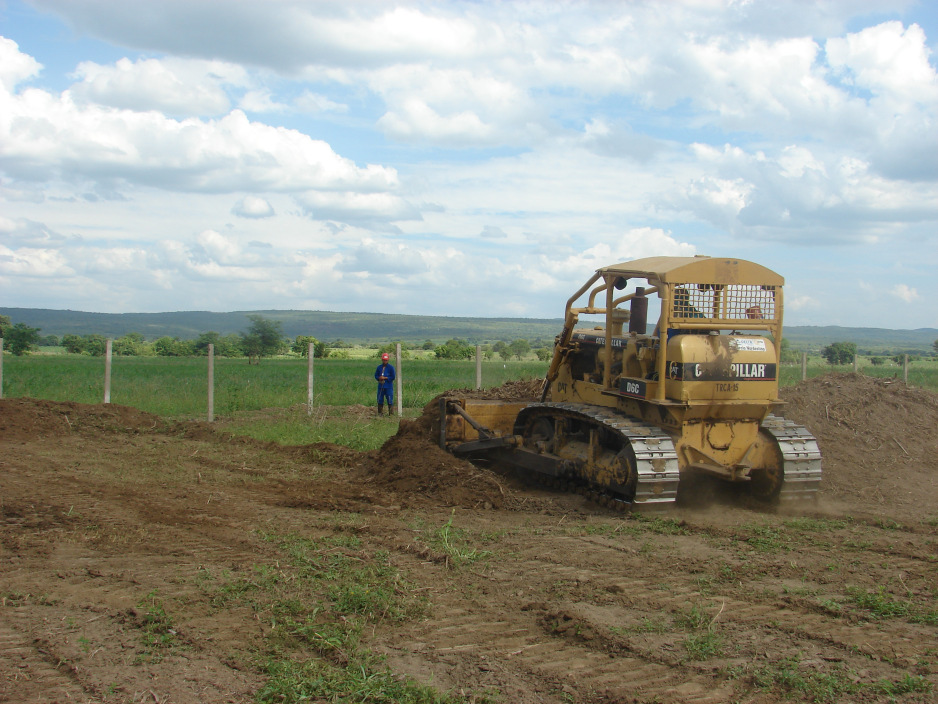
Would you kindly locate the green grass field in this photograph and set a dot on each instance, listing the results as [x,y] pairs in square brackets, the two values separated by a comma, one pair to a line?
[177,389]
[922,373]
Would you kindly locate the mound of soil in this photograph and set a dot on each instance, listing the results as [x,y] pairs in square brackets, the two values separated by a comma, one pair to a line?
[877,440]
[413,465]
[26,418]
[418,470]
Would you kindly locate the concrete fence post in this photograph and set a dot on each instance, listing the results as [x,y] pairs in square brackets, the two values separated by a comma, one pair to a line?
[478,367]
[309,379]
[804,366]
[108,347]
[211,383]
[400,383]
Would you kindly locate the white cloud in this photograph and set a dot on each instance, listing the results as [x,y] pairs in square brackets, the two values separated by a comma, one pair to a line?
[31,262]
[15,66]
[904,292]
[253,207]
[177,87]
[796,192]
[633,244]
[116,260]
[801,302]
[44,136]
[433,105]
[889,60]
[24,232]
[384,259]
[220,249]
[890,67]
[261,101]
[214,271]
[357,208]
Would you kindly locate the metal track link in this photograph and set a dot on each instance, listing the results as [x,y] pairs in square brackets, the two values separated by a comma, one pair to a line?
[655,457]
[802,458]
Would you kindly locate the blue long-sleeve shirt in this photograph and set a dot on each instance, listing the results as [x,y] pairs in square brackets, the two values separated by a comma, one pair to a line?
[387,371]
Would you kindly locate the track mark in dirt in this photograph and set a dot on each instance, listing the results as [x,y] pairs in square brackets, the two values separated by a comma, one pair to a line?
[33,673]
[543,644]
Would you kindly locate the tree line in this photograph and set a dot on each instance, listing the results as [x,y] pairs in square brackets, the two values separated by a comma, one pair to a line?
[840,353]
[263,338]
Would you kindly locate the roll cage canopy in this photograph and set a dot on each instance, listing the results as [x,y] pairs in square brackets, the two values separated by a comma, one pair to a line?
[697,294]
[699,269]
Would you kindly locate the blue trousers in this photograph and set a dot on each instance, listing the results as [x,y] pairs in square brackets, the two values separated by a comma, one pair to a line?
[386,393]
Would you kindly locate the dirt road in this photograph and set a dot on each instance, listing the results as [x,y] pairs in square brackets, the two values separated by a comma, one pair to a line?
[146,562]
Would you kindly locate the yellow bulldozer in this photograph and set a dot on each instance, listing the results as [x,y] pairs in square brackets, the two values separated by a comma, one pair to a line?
[636,416]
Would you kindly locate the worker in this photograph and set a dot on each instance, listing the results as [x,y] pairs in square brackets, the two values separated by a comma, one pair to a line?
[683,309]
[385,376]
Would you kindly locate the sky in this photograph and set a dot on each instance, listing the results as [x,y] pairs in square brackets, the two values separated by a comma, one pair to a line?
[464,158]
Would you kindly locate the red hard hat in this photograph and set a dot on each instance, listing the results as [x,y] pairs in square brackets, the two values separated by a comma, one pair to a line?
[385,356]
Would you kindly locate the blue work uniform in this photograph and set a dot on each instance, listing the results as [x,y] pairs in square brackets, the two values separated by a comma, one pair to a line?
[386,387]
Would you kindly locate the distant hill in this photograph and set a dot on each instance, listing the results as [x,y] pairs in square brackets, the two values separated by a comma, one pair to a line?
[359,328]
[813,338]
[364,328]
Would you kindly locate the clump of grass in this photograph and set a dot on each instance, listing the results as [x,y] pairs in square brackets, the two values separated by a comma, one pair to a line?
[832,606]
[455,544]
[880,604]
[701,646]
[907,685]
[813,686]
[831,685]
[703,642]
[889,524]
[767,539]
[693,618]
[601,528]
[159,634]
[367,681]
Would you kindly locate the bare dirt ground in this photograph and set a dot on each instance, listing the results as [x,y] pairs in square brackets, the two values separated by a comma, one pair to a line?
[134,556]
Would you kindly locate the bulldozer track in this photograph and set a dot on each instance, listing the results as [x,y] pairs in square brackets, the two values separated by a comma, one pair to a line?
[802,459]
[656,461]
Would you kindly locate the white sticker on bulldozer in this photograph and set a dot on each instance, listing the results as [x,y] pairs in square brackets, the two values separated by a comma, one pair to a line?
[748,344]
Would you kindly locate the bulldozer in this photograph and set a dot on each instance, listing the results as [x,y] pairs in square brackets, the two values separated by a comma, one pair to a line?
[642,417]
